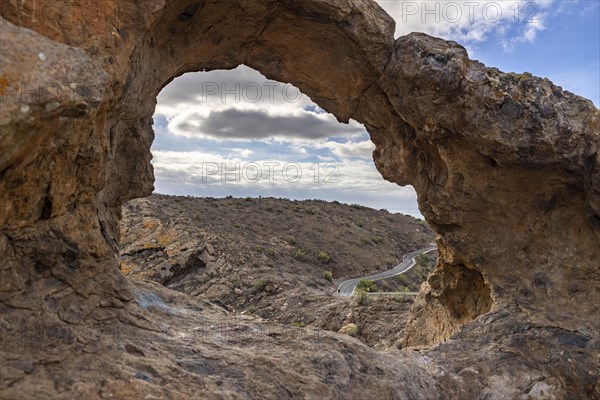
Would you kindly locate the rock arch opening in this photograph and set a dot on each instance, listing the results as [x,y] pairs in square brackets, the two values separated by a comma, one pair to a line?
[224,133]
[359,87]
[234,132]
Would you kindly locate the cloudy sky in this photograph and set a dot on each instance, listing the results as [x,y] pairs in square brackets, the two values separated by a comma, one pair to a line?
[235,133]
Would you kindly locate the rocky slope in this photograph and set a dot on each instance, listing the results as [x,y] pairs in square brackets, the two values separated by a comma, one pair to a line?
[506,168]
[243,255]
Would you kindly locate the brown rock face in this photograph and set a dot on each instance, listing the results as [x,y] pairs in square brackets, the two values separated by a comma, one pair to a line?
[506,168]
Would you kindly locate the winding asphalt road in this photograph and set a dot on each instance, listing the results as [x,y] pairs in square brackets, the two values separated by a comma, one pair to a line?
[346,288]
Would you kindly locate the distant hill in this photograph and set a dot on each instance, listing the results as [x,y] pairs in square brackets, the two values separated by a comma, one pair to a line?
[266,256]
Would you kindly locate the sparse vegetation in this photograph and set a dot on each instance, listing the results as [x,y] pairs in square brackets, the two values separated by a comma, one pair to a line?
[299,255]
[357,206]
[261,285]
[298,324]
[328,275]
[350,329]
[362,297]
[271,252]
[377,239]
[324,257]
[389,261]
[367,285]
[423,266]
[292,240]
[401,278]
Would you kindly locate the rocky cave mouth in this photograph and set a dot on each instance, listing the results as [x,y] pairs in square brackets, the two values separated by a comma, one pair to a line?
[522,228]
[453,296]
[227,132]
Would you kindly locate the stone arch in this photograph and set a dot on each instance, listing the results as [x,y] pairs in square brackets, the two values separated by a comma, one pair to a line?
[505,165]
[341,74]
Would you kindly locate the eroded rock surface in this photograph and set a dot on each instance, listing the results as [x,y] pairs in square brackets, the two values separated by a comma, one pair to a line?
[506,168]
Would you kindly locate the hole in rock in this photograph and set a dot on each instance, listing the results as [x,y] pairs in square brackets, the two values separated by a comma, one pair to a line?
[265,203]
[237,133]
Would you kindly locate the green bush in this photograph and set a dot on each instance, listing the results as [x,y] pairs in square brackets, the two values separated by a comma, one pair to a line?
[389,260]
[328,275]
[376,239]
[271,252]
[362,297]
[423,259]
[324,257]
[299,255]
[366,285]
[351,330]
[261,285]
[291,240]
[367,241]
[420,271]
[402,280]
[298,324]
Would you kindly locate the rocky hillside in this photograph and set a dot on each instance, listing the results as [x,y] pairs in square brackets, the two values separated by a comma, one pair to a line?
[274,258]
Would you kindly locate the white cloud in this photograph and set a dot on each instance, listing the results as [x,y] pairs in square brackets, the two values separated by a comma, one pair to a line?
[351,181]
[242,104]
[470,21]
[241,88]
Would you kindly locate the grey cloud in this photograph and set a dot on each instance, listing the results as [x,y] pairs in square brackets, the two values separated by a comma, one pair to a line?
[256,124]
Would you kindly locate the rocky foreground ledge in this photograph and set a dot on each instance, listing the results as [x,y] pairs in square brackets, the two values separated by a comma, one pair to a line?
[506,168]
